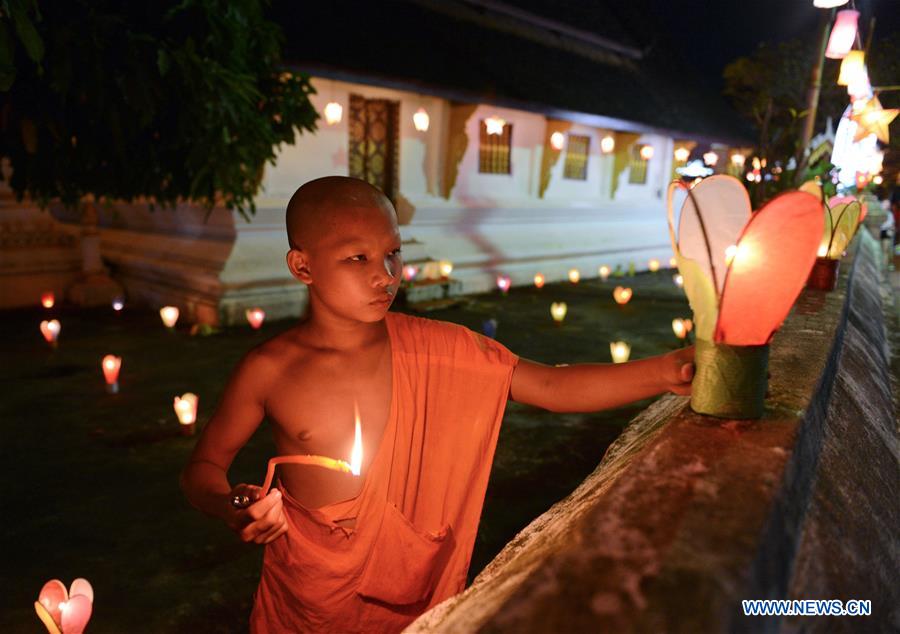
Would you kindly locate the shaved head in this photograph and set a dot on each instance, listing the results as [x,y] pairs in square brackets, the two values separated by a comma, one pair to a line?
[314,208]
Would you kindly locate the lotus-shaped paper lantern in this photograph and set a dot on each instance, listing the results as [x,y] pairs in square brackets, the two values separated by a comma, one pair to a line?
[622,295]
[539,280]
[841,218]
[574,276]
[739,304]
[62,611]
[50,330]
[255,317]
[558,312]
[503,283]
[603,272]
[169,315]
[186,411]
[619,351]
[843,34]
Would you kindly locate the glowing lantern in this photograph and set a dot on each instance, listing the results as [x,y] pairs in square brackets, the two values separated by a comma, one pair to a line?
[118,304]
[557,140]
[186,411]
[738,160]
[50,330]
[679,327]
[539,280]
[682,154]
[878,179]
[828,4]
[334,112]
[843,34]
[494,125]
[739,302]
[255,316]
[603,272]
[647,152]
[841,220]
[65,612]
[558,312]
[111,365]
[607,144]
[169,315]
[871,118]
[409,272]
[47,299]
[503,283]
[653,265]
[711,158]
[446,268]
[622,295]
[421,120]
[852,67]
[574,276]
[619,351]
[678,278]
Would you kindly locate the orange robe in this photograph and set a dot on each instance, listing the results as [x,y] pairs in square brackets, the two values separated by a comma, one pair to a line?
[417,513]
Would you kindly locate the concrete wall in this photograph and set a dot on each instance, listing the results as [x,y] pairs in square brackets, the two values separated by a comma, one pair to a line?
[687,515]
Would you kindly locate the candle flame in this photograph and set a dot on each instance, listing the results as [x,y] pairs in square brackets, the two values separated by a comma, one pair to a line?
[356,455]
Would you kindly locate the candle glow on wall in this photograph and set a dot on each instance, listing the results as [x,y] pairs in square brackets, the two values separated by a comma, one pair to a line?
[65,611]
[739,302]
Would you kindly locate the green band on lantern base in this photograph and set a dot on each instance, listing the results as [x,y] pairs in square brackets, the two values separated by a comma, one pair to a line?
[730,381]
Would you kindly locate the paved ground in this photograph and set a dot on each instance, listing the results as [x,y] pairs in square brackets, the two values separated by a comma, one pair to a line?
[91,478]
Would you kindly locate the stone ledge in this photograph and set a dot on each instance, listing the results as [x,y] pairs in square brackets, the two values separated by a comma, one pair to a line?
[687,515]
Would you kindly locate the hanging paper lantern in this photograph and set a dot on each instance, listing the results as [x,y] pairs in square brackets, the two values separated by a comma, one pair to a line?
[738,304]
[539,280]
[852,66]
[557,140]
[603,272]
[607,144]
[503,283]
[48,299]
[619,351]
[111,365]
[622,295]
[334,112]
[558,312]
[843,34]
[65,612]
[682,154]
[421,120]
[169,315]
[829,4]
[871,118]
[255,316]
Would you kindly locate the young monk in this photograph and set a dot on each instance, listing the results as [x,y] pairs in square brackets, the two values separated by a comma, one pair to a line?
[370,553]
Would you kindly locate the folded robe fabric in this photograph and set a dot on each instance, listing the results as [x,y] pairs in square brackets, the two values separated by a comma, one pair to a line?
[417,514]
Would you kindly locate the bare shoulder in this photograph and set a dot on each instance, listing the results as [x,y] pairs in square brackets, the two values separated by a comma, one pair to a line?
[273,356]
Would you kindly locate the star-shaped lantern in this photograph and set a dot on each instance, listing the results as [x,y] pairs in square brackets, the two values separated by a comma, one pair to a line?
[871,118]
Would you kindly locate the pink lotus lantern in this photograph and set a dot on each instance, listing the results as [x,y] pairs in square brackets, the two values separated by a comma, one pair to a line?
[111,365]
[410,271]
[50,330]
[503,283]
[48,299]
[843,34]
[539,280]
[738,303]
[62,611]
[169,316]
[255,316]
[186,410]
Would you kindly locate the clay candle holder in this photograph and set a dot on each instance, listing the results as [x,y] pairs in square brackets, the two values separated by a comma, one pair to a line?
[739,301]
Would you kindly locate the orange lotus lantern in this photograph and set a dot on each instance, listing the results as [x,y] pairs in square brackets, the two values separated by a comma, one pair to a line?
[539,280]
[186,411]
[619,351]
[111,365]
[739,303]
[603,272]
[255,316]
[622,295]
[558,311]
[65,611]
[169,316]
[843,34]
[50,329]
[48,299]
[503,283]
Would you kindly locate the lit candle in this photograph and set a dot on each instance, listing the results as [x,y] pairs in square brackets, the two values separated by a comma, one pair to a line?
[255,316]
[653,265]
[620,351]
[539,280]
[622,295]
[169,315]
[111,365]
[574,276]
[503,283]
[186,410]
[50,330]
[678,279]
[558,312]
[48,299]
[118,304]
[603,272]
[446,268]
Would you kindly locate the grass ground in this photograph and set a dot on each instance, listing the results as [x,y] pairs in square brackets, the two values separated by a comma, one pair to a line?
[91,479]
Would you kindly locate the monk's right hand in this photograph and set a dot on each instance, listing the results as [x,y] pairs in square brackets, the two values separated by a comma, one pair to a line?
[261,522]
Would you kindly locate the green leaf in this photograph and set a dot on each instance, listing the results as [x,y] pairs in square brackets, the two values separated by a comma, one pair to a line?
[32,42]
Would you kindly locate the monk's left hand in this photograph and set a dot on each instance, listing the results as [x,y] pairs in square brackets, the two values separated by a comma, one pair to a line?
[678,370]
